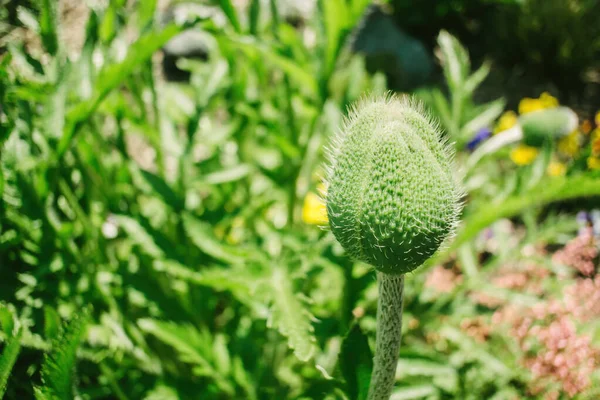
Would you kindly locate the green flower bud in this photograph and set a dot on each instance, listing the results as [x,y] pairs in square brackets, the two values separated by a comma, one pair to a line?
[547,124]
[391,199]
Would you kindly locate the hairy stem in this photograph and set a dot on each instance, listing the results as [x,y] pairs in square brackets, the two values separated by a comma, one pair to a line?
[389,332]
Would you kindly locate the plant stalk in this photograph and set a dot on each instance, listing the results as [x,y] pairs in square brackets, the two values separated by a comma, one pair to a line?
[389,333]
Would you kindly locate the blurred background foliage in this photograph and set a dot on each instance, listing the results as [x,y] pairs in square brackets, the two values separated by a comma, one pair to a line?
[160,167]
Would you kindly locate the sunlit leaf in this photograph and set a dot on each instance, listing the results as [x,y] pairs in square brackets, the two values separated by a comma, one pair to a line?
[290,317]
[139,235]
[7,360]
[547,191]
[229,11]
[201,234]
[59,365]
[189,344]
[111,77]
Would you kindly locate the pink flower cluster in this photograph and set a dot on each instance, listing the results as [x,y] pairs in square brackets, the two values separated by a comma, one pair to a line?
[560,358]
[554,351]
[582,299]
[442,279]
[580,253]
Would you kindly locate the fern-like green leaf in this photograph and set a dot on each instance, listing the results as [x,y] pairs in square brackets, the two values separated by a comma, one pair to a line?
[290,317]
[201,234]
[7,360]
[59,364]
[257,290]
[139,236]
[193,347]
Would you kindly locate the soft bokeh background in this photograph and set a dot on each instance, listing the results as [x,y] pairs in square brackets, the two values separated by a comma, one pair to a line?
[162,235]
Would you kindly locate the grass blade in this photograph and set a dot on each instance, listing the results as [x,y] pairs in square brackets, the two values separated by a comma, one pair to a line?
[229,11]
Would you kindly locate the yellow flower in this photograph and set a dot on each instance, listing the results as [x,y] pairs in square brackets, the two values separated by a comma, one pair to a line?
[527,104]
[593,162]
[313,210]
[523,155]
[569,145]
[506,121]
[556,168]
[596,142]
[548,100]
[597,118]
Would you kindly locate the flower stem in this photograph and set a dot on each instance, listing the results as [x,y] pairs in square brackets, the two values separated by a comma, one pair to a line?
[389,332]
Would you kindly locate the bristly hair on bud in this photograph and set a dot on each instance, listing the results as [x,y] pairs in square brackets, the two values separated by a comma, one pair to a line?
[392,198]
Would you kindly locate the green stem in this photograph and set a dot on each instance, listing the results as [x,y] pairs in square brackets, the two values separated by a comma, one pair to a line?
[389,333]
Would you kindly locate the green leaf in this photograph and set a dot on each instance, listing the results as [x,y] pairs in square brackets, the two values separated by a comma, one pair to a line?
[145,12]
[254,16]
[357,7]
[108,26]
[201,234]
[335,19]
[241,283]
[474,351]
[442,375]
[476,78]
[191,345]
[229,11]
[488,114]
[162,392]
[414,392]
[356,363]
[139,235]
[546,192]
[289,316]
[231,174]
[455,60]
[48,25]
[51,323]
[111,77]
[7,360]
[303,77]
[7,321]
[59,365]
[156,185]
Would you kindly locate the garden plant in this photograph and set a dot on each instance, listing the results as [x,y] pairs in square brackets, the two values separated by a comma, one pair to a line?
[224,200]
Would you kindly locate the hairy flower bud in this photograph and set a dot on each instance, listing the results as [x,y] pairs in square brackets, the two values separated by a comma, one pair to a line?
[547,124]
[392,198]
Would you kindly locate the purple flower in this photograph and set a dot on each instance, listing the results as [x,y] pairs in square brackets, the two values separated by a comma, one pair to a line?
[479,137]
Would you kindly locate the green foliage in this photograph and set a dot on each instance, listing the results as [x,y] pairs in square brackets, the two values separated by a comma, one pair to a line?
[195,348]
[177,212]
[7,360]
[11,350]
[537,196]
[59,364]
[289,317]
[458,114]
